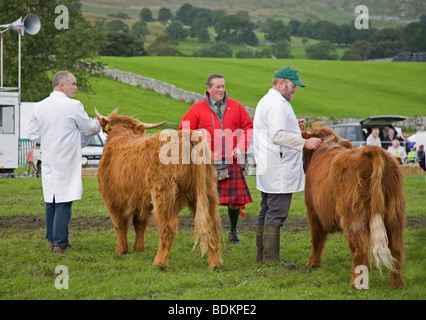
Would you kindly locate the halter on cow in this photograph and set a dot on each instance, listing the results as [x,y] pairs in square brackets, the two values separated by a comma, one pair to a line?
[358,191]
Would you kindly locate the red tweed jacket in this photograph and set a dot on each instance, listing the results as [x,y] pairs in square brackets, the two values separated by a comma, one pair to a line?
[236,127]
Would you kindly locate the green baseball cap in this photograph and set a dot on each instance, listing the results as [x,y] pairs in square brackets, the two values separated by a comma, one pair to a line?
[290,74]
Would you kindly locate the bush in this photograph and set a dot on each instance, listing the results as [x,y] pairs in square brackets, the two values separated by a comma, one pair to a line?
[281,50]
[145,15]
[385,49]
[120,15]
[236,28]
[122,45]
[264,53]
[176,31]
[217,50]
[244,54]
[117,26]
[359,50]
[352,56]
[278,31]
[164,46]
[140,29]
[323,50]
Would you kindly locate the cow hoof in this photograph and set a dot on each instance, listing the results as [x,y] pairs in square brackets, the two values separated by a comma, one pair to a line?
[121,252]
[397,284]
[313,265]
[214,268]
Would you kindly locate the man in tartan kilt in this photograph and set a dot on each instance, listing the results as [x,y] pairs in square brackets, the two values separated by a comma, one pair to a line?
[230,131]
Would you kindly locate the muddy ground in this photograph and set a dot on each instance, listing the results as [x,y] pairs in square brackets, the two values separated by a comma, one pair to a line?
[292,224]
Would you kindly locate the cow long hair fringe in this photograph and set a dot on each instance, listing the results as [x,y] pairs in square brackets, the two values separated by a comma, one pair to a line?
[358,191]
[137,183]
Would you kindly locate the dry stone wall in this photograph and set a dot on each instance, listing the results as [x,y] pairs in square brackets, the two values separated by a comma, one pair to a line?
[159,87]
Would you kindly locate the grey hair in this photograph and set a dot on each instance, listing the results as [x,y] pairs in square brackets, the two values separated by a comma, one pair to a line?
[211,77]
[276,80]
[60,77]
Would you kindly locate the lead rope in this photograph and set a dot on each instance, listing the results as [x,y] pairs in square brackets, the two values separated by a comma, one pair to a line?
[88,141]
[223,240]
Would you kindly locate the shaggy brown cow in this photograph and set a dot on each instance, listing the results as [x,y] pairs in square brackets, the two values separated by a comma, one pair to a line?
[360,192]
[136,184]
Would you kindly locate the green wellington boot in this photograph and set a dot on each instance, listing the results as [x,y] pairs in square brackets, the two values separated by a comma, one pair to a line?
[259,242]
[233,219]
[271,247]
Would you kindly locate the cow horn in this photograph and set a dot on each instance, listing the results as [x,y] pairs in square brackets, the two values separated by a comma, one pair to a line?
[153,125]
[98,114]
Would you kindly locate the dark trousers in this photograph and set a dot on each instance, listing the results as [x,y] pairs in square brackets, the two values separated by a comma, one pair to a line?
[58,216]
[274,209]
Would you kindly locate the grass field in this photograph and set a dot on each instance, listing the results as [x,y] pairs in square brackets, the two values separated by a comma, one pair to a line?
[146,105]
[28,268]
[336,89]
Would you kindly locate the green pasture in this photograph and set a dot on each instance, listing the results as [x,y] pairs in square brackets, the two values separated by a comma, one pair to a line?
[338,89]
[146,105]
[27,266]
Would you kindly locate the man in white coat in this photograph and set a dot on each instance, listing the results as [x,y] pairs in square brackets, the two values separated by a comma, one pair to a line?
[278,146]
[56,124]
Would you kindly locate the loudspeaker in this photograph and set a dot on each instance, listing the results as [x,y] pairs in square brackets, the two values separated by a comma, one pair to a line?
[30,23]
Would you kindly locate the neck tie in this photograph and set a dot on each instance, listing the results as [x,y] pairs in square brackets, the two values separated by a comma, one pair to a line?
[218,108]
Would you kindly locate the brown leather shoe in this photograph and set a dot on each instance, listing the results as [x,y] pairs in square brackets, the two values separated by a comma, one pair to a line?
[233,237]
[49,244]
[59,249]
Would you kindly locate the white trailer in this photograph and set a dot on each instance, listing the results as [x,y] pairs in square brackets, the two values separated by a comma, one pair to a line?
[9,131]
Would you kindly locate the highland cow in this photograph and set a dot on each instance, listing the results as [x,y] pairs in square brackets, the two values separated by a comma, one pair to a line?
[136,184]
[358,191]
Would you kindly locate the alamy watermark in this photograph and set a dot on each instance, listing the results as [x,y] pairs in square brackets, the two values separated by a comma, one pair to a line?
[361,21]
[62,281]
[178,151]
[361,281]
[62,21]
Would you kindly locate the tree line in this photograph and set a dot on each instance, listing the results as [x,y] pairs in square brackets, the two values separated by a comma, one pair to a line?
[53,49]
[238,28]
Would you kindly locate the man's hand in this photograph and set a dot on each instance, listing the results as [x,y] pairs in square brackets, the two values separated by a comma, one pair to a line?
[312,143]
[302,124]
[237,153]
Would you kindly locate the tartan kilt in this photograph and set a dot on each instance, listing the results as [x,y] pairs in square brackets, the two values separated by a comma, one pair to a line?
[234,190]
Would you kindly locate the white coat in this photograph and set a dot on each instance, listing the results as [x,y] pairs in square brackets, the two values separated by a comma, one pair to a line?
[279,169]
[56,124]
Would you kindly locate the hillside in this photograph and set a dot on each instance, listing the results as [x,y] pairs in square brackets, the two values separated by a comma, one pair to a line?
[336,89]
[146,105]
[382,12]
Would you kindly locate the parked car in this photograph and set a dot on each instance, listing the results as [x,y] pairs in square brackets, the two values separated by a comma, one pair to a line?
[358,132]
[92,149]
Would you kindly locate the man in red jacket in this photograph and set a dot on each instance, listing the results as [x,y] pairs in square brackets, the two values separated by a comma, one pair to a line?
[230,132]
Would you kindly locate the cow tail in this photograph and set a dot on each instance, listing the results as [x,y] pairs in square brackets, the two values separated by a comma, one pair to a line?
[205,228]
[379,244]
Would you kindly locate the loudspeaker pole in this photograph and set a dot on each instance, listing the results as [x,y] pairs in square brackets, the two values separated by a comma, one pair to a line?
[10,98]
[1,84]
[19,63]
